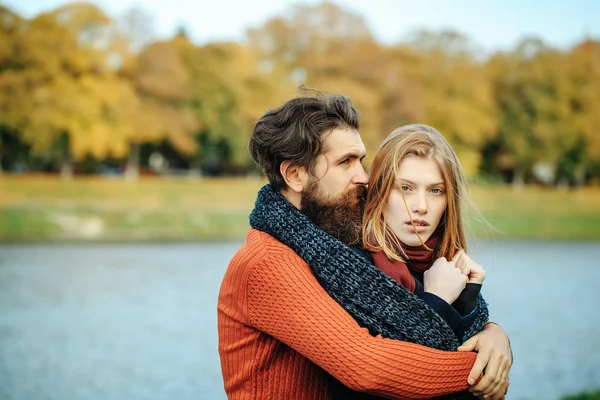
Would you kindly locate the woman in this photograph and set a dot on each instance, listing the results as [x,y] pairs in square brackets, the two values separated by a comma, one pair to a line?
[413,216]
[413,225]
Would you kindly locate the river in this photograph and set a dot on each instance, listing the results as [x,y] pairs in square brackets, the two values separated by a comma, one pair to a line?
[139,321]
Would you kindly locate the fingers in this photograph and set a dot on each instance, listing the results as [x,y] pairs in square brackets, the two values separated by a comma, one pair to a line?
[502,385]
[494,378]
[480,362]
[491,378]
[493,392]
[460,262]
[494,349]
[501,393]
[458,259]
[458,255]
[469,345]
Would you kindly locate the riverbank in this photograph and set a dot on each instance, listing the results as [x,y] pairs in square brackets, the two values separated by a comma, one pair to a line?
[43,208]
[584,396]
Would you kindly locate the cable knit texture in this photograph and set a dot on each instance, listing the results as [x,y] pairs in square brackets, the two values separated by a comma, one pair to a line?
[279,331]
[374,299]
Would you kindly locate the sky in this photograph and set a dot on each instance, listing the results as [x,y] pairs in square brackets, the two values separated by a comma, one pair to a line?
[492,25]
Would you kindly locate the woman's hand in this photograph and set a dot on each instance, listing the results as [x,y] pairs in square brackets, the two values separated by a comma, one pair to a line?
[444,280]
[474,271]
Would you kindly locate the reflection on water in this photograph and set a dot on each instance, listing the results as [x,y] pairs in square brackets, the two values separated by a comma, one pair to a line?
[139,321]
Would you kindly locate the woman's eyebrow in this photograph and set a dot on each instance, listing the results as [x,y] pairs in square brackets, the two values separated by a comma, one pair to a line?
[431,184]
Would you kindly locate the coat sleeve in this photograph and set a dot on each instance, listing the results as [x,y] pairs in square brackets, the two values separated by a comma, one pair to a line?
[285,301]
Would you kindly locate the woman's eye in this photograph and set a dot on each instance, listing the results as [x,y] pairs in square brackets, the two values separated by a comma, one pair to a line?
[436,191]
[404,188]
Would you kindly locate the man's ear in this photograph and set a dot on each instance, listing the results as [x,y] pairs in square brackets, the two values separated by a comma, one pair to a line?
[294,176]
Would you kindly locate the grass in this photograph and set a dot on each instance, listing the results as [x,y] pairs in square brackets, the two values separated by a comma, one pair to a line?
[584,396]
[539,213]
[43,208]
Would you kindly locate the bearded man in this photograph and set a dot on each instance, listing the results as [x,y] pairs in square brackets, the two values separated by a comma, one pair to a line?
[298,307]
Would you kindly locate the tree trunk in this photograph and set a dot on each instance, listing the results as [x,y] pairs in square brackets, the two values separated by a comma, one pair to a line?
[579,175]
[132,171]
[66,169]
[195,169]
[63,151]
[518,181]
[562,184]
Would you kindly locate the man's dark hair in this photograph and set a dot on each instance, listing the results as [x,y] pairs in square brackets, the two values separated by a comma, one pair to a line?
[294,132]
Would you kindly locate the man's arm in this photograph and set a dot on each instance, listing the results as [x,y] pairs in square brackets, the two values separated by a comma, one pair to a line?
[285,301]
[494,360]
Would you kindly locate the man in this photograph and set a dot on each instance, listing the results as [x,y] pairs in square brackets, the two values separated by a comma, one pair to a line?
[281,335]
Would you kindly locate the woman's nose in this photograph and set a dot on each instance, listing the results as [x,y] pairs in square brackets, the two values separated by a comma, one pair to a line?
[420,204]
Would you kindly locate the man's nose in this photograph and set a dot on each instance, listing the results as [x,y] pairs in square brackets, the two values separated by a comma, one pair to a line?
[361,176]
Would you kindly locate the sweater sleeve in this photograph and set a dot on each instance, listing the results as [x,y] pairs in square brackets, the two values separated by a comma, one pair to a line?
[285,301]
[444,310]
[467,301]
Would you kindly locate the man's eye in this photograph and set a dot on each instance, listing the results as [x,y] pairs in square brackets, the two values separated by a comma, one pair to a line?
[345,162]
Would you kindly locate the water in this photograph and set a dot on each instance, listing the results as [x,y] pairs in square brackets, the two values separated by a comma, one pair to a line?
[139,321]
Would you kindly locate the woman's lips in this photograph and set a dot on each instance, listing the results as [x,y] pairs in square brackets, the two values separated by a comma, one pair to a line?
[419,225]
[418,222]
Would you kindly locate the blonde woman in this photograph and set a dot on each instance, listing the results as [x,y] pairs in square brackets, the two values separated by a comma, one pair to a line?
[413,232]
[413,219]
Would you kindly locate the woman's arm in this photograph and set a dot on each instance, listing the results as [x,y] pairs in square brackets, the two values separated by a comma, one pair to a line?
[470,298]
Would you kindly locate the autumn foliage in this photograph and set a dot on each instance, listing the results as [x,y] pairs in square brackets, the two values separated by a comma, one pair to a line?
[83,91]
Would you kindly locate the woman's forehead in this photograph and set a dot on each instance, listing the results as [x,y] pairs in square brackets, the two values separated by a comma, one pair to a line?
[419,170]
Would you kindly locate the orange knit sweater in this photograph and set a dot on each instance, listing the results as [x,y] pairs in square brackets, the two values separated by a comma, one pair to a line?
[280,334]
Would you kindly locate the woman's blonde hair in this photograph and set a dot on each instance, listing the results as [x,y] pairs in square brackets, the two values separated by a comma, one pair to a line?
[422,141]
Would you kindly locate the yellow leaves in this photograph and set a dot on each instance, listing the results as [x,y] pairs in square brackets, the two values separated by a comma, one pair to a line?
[162,73]
[90,110]
[163,84]
[156,122]
[458,100]
[69,72]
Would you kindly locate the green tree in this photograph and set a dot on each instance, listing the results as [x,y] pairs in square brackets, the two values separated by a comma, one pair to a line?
[583,102]
[543,98]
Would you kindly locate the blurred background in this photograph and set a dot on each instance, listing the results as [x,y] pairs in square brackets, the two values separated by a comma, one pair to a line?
[125,180]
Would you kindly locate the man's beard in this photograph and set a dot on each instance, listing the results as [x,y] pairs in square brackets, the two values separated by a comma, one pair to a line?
[341,218]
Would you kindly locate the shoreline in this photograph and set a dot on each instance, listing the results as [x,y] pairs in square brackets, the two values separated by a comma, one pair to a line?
[45,210]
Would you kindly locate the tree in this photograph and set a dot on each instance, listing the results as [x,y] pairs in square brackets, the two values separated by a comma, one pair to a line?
[544,98]
[11,25]
[67,100]
[162,84]
[325,47]
[583,99]
[456,93]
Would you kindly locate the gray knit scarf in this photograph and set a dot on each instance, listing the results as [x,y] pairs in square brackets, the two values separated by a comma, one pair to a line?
[375,300]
